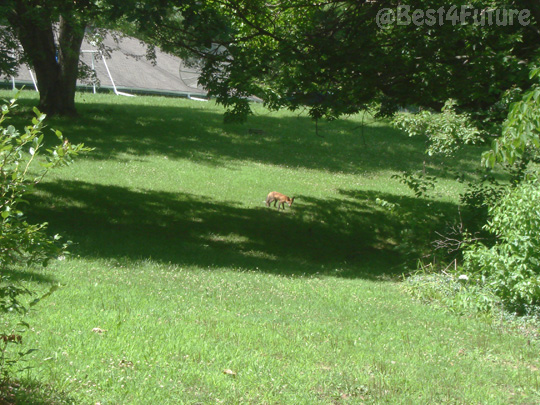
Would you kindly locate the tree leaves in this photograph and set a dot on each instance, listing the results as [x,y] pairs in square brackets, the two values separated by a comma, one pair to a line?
[520,131]
[334,59]
[446,132]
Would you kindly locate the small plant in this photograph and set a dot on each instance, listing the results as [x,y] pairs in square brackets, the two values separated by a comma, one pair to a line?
[482,194]
[390,206]
[411,228]
[476,200]
[503,265]
[22,243]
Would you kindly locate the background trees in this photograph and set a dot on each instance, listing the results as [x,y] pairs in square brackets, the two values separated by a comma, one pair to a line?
[332,57]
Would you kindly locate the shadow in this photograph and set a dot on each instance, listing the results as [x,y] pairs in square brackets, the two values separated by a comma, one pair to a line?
[17,274]
[33,392]
[347,237]
[134,128]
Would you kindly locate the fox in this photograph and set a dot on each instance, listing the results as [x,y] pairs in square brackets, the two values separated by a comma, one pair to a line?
[279,199]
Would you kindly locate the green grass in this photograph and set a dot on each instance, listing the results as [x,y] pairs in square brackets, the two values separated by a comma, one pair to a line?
[188,274]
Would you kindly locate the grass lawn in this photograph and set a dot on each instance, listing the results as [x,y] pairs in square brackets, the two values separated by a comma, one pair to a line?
[183,287]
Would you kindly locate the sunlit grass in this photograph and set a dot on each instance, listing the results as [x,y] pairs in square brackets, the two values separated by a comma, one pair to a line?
[183,287]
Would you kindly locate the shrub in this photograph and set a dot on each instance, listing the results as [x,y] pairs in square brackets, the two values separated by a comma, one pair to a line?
[511,268]
[22,243]
[419,183]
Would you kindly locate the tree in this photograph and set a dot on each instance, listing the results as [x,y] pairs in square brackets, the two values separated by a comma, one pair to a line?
[333,57]
[33,23]
[50,33]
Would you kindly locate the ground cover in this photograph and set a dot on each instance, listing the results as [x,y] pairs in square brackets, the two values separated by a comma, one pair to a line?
[182,287]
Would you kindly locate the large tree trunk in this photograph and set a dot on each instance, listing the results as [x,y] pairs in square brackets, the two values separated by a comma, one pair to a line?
[70,38]
[55,64]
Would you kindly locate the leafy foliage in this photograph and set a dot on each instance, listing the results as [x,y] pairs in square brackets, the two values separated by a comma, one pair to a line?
[412,229]
[500,258]
[12,301]
[334,59]
[22,243]
[482,194]
[445,132]
[521,129]
[47,35]
[476,200]
[331,57]
[511,268]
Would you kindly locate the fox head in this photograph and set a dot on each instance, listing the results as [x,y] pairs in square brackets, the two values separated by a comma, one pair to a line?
[290,201]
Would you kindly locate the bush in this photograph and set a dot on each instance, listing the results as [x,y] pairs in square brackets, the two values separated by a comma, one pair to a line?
[502,269]
[511,268]
[22,243]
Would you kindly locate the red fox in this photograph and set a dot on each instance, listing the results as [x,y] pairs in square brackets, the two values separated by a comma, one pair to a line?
[279,199]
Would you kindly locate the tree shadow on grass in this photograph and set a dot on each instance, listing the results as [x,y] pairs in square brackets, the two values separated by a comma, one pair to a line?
[17,274]
[195,132]
[347,237]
